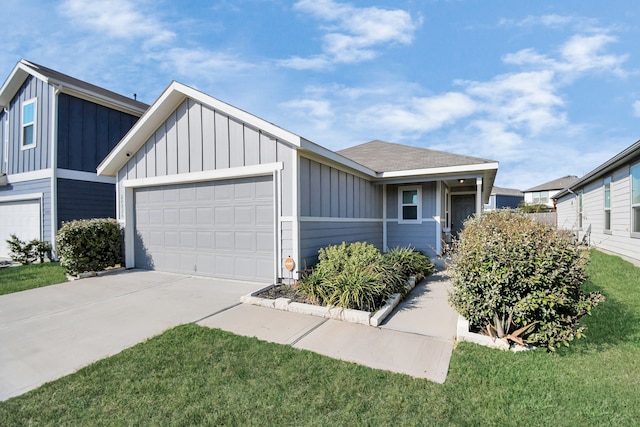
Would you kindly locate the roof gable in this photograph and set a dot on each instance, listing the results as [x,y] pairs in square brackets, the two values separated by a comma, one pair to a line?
[168,101]
[69,85]
[556,184]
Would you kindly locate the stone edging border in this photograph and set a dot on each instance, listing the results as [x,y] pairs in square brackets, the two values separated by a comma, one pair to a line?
[95,273]
[345,314]
[463,334]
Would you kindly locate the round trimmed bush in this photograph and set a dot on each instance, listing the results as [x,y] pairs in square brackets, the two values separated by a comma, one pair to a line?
[520,280]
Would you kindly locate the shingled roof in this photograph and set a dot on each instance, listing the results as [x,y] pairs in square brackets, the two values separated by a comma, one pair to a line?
[556,184]
[382,156]
[66,83]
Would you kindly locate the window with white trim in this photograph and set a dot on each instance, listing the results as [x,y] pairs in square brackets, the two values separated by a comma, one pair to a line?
[607,204]
[635,198]
[29,124]
[580,210]
[410,204]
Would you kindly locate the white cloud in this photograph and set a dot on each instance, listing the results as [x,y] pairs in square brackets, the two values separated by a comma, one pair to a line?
[636,108]
[420,115]
[353,34]
[116,19]
[578,55]
[319,112]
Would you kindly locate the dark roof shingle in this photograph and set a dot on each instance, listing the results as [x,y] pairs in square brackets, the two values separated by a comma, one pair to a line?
[383,156]
[556,184]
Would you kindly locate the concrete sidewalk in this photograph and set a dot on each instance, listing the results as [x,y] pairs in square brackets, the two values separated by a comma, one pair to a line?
[50,332]
[417,339]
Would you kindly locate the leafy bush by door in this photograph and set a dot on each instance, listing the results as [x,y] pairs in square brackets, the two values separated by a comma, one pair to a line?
[520,280]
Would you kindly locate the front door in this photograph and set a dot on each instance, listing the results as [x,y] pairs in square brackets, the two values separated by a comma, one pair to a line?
[462,207]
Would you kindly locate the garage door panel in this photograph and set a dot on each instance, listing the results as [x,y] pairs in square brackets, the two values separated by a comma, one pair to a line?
[21,218]
[220,229]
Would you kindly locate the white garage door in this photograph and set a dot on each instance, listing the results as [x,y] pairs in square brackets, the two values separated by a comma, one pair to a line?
[21,218]
[220,229]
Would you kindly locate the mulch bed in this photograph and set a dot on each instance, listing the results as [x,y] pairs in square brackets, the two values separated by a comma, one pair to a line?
[285,291]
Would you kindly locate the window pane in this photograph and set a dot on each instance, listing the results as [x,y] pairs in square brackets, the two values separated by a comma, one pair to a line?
[607,220]
[635,184]
[409,212]
[636,220]
[27,113]
[410,197]
[544,197]
[27,135]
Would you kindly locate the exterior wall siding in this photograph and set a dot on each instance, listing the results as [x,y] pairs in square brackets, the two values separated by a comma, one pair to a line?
[419,236]
[87,132]
[32,187]
[84,200]
[618,240]
[38,157]
[331,193]
[318,234]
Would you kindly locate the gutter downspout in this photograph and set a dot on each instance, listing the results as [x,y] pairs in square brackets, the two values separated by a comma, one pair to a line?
[54,168]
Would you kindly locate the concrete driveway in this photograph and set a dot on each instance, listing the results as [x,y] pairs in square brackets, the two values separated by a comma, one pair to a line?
[50,332]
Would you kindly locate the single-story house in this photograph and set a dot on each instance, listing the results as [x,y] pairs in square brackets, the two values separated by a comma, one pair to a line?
[54,130]
[543,194]
[606,204]
[206,188]
[504,198]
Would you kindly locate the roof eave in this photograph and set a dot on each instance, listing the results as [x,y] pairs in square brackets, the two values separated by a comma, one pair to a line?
[615,162]
[439,171]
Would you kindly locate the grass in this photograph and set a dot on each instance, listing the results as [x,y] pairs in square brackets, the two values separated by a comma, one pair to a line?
[23,277]
[194,376]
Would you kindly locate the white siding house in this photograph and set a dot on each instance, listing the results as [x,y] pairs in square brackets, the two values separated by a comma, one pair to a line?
[604,205]
[544,194]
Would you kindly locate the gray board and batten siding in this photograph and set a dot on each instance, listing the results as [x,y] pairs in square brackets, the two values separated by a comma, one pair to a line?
[197,138]
[336,206]
[38,157]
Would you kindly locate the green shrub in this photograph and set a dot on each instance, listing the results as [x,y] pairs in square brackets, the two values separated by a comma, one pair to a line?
[89,245]
[358,276]
[520,279]
[28,252]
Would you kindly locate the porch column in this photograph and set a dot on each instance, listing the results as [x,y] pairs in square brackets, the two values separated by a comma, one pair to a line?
[384,217]
[478,196]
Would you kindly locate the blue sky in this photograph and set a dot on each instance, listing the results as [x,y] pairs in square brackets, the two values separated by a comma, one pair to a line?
[547,88]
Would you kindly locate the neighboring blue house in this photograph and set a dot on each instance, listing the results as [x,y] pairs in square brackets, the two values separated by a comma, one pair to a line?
[54,131]
[206,188]
[502,198]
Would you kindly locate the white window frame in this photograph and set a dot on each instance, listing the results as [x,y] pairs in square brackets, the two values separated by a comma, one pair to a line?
[33,123]
[418,190]
[635,207]
[607,209]
[580,209]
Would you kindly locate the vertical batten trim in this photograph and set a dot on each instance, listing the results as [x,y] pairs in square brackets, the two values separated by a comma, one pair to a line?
[438,213]
[295,194]
[54,167]
[384,217]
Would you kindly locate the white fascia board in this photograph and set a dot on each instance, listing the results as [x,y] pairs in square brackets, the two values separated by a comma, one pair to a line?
[440,171]
[97,99]
[170,99]
[141,131]
[13,83]
[29,176]
[212,175]
[325,153]
[84,176]
[21,197]
[241,115]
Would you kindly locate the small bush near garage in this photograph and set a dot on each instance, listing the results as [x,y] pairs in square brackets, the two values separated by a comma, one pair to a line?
[89,245]
[28,252]
[520,280]
[358,276]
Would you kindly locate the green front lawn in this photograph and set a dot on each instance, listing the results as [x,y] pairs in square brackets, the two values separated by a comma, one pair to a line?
[193,376]
[23,277]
